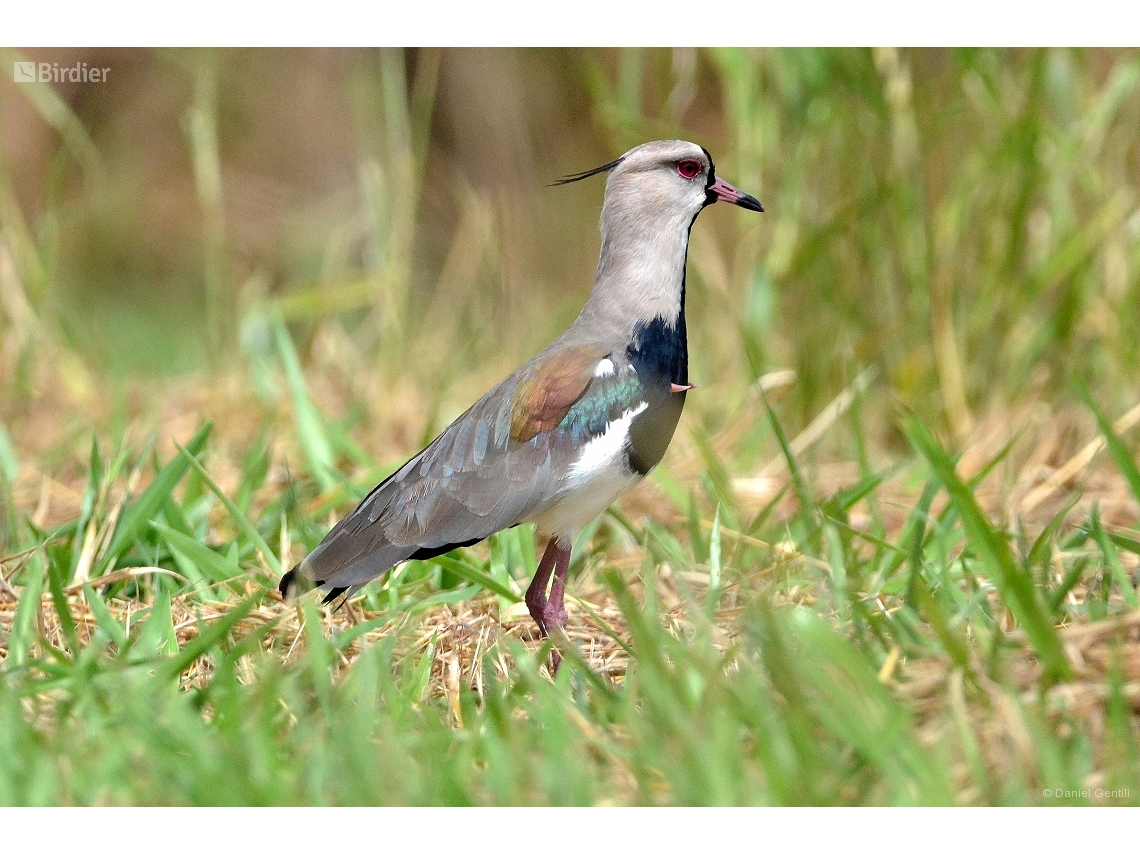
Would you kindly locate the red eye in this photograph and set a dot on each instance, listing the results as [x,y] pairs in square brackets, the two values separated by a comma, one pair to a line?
[689,168]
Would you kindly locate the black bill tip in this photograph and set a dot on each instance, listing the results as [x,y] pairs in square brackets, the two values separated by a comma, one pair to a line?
[750,203]
[720,190]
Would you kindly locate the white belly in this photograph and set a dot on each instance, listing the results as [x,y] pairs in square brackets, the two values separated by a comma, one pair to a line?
[573,511]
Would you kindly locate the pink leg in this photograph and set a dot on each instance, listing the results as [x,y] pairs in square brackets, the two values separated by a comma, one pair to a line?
[554,615]
[536,594]
[550,613]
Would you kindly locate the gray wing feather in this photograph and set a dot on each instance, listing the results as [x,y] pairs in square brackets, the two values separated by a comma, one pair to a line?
[472,481]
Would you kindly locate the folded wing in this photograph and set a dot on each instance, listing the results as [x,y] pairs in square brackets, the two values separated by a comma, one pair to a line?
[497,465]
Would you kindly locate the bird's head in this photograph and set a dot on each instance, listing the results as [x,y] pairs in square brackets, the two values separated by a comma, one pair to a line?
[671,178]
[653,194]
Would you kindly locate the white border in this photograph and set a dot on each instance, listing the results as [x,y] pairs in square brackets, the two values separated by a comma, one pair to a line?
[585,23]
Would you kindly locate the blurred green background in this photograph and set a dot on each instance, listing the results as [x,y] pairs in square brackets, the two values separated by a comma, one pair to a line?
[966,220]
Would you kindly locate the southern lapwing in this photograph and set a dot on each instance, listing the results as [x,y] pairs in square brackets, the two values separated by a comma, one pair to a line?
[558,440]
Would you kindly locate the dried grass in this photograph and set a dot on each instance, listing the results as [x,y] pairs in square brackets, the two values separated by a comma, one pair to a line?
[1052,464]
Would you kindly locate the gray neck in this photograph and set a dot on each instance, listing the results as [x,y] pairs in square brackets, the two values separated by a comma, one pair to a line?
[641,271]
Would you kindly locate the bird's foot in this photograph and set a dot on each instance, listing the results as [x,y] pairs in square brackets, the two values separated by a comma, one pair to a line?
[536,605]
[553,618]
[555,661]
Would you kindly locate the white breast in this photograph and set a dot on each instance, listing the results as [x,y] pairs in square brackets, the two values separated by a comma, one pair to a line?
[604,451]
[595,480]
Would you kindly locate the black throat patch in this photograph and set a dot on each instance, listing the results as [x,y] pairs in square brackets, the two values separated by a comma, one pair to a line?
[660,355]
[660,351]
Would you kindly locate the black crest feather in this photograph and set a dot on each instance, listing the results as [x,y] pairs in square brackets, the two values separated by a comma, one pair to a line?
[580,175]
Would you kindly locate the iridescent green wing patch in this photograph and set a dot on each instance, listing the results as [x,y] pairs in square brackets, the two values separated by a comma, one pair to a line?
[605,401]
[545,397]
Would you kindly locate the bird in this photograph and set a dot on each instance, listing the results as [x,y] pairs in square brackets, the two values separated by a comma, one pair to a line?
[558,440]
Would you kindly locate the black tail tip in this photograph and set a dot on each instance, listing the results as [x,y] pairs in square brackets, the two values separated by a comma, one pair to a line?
[297,581]
[290,582]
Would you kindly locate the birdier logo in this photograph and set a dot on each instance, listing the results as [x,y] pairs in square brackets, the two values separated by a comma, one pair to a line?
[53,72]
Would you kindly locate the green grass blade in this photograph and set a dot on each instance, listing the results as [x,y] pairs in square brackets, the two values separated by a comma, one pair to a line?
[157,634]
[1120,454]
[1072,577]
[142,511]
[216,567]
[473,574]
[802,491]
[954,641]
[1112,561]
[56,572]
[212,637]
[240,519]
[9,464]
[311,429]
[103,617]
[25,625]
[342,640]
[1016,586]
[714,556]
[1040,550]
[1128,544]
[418,685]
